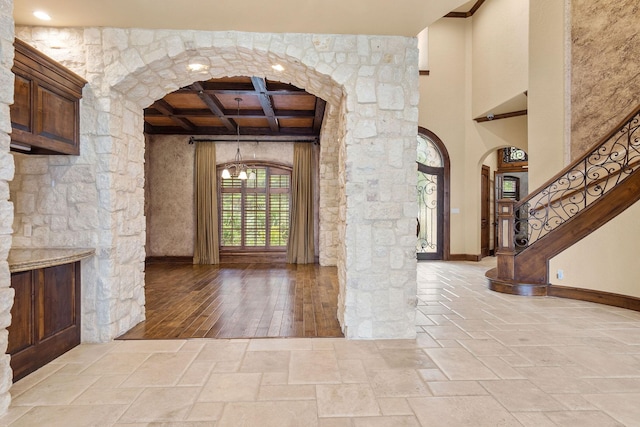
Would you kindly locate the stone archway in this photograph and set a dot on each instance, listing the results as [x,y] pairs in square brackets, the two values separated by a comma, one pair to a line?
[142,87]
[368,142]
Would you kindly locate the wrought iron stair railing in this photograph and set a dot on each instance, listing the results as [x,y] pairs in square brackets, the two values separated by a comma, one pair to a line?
[585,182]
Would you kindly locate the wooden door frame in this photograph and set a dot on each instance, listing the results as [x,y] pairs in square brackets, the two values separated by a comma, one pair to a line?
[485,207]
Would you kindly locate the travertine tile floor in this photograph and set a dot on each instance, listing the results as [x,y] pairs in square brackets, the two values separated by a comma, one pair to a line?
[480,359]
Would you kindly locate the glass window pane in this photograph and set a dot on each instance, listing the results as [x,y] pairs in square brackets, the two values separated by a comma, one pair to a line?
[278,219]
[260,180]
[231,219]
[255,213]
[428,153]
[428,213]
[230,182]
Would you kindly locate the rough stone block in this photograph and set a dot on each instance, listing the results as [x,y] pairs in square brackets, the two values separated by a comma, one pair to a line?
[25,203]
[365,129]
[391,96]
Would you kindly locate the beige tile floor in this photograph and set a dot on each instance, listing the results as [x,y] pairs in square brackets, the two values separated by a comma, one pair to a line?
[480,359]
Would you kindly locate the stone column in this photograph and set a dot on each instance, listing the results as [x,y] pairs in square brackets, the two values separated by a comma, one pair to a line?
[380,192]
[6,207]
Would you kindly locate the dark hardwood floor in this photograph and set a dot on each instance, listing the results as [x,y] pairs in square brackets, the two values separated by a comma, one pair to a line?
[238,301]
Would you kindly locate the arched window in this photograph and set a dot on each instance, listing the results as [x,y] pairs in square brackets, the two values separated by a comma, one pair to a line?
[433,204]
[428,153]
[254,213]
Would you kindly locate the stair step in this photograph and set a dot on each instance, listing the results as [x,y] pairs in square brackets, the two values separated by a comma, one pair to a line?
[513,287]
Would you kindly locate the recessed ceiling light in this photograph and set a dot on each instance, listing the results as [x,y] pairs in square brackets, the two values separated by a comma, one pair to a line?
[42,15]
[278,67]
[197,67]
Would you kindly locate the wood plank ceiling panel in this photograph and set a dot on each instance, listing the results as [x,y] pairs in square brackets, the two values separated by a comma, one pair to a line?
[267,108]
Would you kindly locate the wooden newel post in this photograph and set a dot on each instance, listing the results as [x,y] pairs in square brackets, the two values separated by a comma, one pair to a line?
[506,250]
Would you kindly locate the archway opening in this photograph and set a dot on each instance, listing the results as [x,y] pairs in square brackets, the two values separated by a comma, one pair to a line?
[505,176]
[141,88]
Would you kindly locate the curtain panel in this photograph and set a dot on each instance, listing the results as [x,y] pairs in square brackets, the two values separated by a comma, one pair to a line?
[301,249]
[206,246]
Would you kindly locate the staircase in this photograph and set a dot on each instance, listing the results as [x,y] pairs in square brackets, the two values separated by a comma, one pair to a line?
[581,198]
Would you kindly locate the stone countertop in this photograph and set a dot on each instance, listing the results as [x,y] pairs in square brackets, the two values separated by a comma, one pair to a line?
[24,259]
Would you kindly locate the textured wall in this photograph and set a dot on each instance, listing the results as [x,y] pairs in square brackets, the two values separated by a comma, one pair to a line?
[95,199]
[6,208]
[56,200]
[329,197]
[170,190]
[605,79]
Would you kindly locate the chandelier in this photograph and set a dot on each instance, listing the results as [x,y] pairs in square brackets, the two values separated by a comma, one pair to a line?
[239,168]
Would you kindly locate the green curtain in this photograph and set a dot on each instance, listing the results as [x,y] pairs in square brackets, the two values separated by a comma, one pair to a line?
[301,249]
[205,249]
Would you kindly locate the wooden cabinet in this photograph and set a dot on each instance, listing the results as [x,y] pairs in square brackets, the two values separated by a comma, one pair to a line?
[45,116]
[45,316]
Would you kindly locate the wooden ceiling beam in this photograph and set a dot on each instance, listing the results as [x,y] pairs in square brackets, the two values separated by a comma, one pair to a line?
[260,138]
[220,89]
[215,106]
[319,114]
[468,14]
[250,114]
[261,119]
[492,117]
[228,87]
[260,86]
[252,132]
[167,110]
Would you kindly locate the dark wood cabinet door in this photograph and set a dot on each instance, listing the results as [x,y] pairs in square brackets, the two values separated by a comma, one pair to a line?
[57,120]
[22,331]
[45,115]
[46,316]
[56,300]
[20,111]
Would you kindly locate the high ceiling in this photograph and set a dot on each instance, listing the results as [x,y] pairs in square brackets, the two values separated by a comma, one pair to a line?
[217,107]
[272,110]
[383,17]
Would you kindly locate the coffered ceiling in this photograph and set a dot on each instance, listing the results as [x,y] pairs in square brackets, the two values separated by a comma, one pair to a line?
[273,110]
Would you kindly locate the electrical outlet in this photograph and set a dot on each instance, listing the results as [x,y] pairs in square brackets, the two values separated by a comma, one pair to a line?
[27,230]
[560,274]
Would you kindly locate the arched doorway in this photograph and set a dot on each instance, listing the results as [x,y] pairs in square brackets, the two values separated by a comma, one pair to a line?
[433,197]
[239,62]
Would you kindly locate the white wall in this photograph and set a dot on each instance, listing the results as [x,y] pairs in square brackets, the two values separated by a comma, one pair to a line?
[500,53]
[548,109]
[442,109]
[606,260]
[461,77]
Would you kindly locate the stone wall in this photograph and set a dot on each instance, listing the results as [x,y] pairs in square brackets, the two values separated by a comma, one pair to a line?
[605,53]
[58,197]
[6,208]
[371,81]
[329,197]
